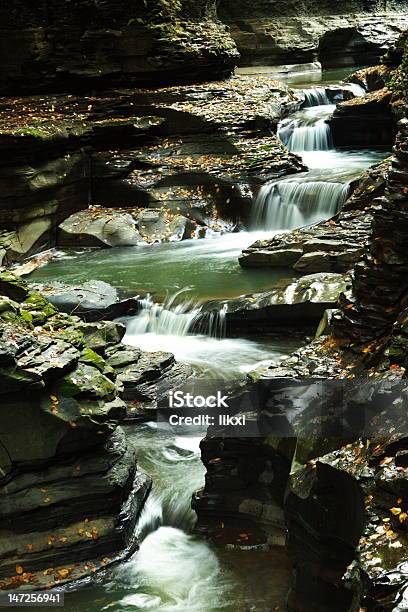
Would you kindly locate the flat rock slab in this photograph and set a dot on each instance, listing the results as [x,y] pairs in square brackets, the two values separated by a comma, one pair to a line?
[294,302]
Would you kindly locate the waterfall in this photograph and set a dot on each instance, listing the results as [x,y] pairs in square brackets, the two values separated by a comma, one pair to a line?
[292,203]
[316,96]
[176,319]
[307,130]
[167,319]
[357,90]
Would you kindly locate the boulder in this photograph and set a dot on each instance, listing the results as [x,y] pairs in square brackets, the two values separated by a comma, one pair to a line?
[156,226]
[90,228]
[92,301]
[92,297]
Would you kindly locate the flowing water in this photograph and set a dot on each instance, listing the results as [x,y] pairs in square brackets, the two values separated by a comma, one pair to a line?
[208,266]
[174,571]
[293,203]
[171,326]
[307,130]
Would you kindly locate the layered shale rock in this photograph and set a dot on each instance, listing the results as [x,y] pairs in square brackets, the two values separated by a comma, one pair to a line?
[379,287]
[189,155]
[291,302]
[306,32]
[55,44]
[70,490]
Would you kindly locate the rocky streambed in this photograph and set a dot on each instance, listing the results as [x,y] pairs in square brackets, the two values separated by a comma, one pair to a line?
[202,273]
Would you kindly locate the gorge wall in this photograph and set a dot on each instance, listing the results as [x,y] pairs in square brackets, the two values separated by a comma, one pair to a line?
[57,44]
[335,34]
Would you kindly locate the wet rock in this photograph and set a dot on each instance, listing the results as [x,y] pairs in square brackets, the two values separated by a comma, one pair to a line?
[378,284]
[70,490]
[91,296]
[291,302]
[345,534]
[146,378]
[92,301]
[241,502]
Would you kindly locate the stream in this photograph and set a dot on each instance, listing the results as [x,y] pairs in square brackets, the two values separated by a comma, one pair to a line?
[173,570]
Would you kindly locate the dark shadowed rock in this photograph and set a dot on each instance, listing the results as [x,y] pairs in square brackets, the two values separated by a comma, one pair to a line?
[364,122]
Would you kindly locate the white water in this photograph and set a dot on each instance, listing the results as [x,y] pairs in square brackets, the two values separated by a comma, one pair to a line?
[167,319]
[294,203]
[307,129]
[172,571]
[177,572]
[169,327]
[357,90]
[316,96]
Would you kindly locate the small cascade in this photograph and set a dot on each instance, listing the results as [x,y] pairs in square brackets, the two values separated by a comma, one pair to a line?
[316,96]
[167,319]
[289,204]
[307,130]
[173,318]
[357,90]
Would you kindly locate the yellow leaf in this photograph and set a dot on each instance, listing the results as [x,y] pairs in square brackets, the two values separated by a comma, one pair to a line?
[63,572]
[395,511]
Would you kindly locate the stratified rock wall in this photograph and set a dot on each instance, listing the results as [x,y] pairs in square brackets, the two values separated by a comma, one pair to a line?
[305,32]
[380,279]
[53,44]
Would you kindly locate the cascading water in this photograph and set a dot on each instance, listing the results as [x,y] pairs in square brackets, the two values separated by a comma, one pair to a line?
[176,319]
[357,90]
[167,319]
[307,130]
[315,96]
[172,571]
[160,327]
[285,205]
[318,96]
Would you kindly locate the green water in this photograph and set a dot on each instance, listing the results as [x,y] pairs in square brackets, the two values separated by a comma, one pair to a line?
[209,267]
